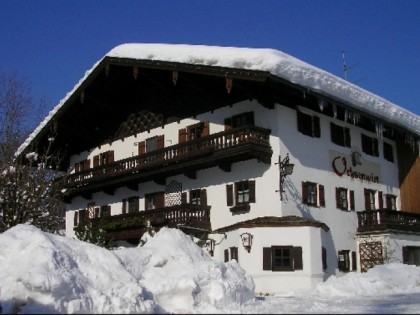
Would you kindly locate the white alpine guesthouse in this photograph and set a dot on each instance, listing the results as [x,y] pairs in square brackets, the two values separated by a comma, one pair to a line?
[292,171]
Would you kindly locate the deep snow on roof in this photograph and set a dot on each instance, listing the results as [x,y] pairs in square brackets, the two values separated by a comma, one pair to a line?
[273,61]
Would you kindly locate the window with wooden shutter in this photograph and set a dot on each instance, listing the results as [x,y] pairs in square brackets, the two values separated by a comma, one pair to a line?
[183,197]
[234,253]
[369,199]
[203,197]
[105,211]
[340,135]
[76,218]
[324,258]
[342,198]
[226,254]
[267,258]
[388,152]
[309,193]
[133,204]
[352,200]
[370,145]
[97,212]
[297,258]
[124,206]
[308,125]
[229,195]
[380,200]
[182,135]
[228,124]
[391,202]
[141,147]
[96,161]
[252,191]
[344,260]
[353,261]
[321,195]
[304,192]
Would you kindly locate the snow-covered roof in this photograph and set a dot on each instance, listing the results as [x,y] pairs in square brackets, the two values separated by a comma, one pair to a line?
[273,61]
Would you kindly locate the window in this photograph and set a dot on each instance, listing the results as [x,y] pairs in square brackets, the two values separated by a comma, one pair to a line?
[282,258]
[344,198]
[340,135]
[411,255]
[388,152]
[370,145]
[231,252]
[198,197]
[370,199]
[239,120]
[103,158]
[105,211]
[155,200]
[313,194]
[80,217]
[82,166]
[193,132]
[324,258]
[347,260]
[240,195]
[132,204]
[308,125]
[391,202]
[151,144]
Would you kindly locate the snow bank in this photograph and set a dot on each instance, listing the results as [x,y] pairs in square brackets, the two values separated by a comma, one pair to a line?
[182,277]
[46,273]
[394,278]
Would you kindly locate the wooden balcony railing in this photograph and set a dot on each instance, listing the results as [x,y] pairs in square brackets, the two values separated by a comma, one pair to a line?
[134,224]
[229,146]
[385,219]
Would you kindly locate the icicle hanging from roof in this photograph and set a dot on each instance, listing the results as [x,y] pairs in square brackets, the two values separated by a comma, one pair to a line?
[379,127]
[321,104]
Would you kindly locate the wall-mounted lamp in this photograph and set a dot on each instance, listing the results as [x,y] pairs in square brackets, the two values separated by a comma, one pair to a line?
[210,244]
[247,241]
[286,169]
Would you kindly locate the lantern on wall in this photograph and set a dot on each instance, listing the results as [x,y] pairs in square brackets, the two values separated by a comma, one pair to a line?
[247,241]
[210,244]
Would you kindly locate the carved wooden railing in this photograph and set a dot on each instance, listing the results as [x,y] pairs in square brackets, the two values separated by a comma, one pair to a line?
[185,214]
[173,154]
[385,219]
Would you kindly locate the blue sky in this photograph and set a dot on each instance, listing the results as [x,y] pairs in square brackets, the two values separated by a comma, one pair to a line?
[53,43]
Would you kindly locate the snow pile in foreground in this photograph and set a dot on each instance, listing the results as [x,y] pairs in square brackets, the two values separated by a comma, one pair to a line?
[393,278]
[46,273]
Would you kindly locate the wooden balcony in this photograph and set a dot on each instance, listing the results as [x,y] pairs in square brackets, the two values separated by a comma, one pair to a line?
[131,226]
[220,149]
[388,220]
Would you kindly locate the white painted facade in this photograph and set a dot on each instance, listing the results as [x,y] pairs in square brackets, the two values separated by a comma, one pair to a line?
[313,162]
